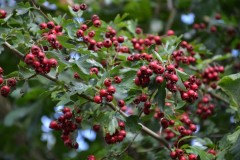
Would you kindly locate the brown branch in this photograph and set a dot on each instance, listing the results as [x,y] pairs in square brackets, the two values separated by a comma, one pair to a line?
[111,105]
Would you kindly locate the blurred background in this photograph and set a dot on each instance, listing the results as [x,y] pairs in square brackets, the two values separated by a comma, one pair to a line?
[24,120]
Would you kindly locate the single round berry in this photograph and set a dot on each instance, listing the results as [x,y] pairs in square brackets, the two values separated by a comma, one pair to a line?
[50,25]
[83,6]
[11,82]
[117,79]
[103,92]
[159,79]
[3,14]
[107,82]
[43,26]
[75,8]
[5,90]
[97,99]
[107,43]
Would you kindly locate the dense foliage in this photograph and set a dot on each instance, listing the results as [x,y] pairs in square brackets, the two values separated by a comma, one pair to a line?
[79,85]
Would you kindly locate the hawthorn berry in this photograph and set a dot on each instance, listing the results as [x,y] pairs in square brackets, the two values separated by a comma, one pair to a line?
[107,43]
[11,82]
[107,82]
[97,99]
[75,8]
[43,26]
[93,70]
[3,14]
[5,90]
[83,6]
[50,25]
[91,157]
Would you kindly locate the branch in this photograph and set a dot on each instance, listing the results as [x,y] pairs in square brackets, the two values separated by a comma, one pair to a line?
[16,52]
[111,105]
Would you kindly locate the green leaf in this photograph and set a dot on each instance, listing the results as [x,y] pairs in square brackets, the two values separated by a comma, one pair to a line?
[25,87]
[18,113]
[232,138]
[160,96]
[78,87]
[113,124]
[180,104]
[23,8]
[202,154]
[132,124]
[64,42]
[231,86]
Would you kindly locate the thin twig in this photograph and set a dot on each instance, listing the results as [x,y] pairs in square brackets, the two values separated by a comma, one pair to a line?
[129,145]
[39,9]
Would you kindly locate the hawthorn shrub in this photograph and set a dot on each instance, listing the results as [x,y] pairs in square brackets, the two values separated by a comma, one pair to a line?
[139,92]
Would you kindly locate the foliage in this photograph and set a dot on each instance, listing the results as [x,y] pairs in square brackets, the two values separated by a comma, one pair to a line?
[145,96]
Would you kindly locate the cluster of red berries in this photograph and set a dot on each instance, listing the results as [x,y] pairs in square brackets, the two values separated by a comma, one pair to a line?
[180,155]
[147,104]
[171,77]
[140,44]
[179,56]
[211,74]
[68,123]
[138,56]
[38,60]
[200,26]
[192,85]
[3,14]
[205,108]
[77,7]
[51,35]
[118,136]
[109,91]
[10,83]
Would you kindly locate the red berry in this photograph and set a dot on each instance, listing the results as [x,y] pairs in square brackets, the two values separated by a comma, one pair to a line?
[138,30]
[91,157]
[51,38]
[29,59]
[93,70]
[11,82]
[97,99]
[58,29]
[52,62]
[164,123]
[80,33]
[192,157]
[170,32]
[103,92]
[5,90]
[174,78]
[83,6]
[97,23]
[75,8]
[120,39]
[53,125]
[173,155]
[143,97]
[66,109]
[107,43]
[3,14]
[43,26]
[50,25]
[107,82]
[121,103]
[111,89]
[159,79]
[109,98]
[76,75]
[117,79]
[96,127]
